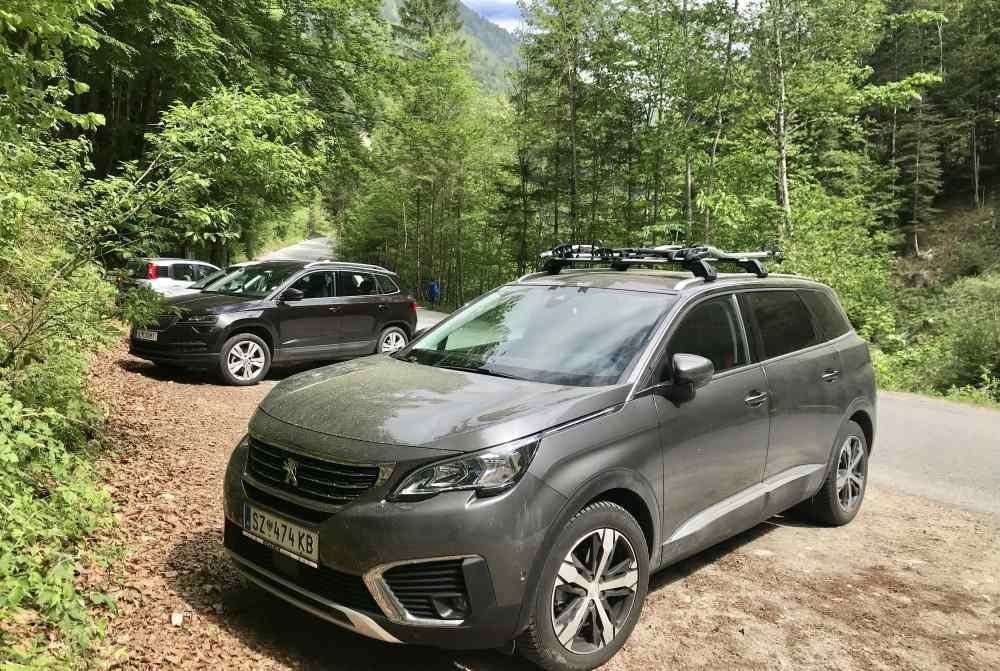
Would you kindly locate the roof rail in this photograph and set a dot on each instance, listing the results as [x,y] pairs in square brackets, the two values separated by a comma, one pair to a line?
[348,264]
[696,258]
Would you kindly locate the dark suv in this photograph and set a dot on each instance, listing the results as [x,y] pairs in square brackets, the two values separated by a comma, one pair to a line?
[280,311]
[517,472]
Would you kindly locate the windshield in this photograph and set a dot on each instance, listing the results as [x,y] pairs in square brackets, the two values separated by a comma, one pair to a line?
[257,280]
[561,335]
[208,279]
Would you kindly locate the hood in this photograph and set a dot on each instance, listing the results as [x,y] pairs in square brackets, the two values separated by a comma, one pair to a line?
[202,303]
[380,399]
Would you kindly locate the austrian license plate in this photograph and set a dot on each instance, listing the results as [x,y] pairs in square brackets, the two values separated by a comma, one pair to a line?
[144,334]
[281,535]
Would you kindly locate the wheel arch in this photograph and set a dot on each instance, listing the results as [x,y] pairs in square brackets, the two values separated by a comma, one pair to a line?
[623,487]
[400,324]
[258,329]
[862,413]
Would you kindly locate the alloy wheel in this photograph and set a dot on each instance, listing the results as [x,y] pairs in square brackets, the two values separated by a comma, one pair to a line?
[594,592]
[850,473]
[245,360]
[393,341]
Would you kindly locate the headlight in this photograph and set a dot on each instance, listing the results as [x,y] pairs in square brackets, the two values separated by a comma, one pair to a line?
[488,472]
[199,319]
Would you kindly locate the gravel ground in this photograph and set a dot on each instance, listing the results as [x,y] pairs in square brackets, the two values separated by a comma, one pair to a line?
[909,585]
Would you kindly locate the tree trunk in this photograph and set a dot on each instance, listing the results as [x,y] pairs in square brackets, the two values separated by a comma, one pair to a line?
[781,138]
[717,137]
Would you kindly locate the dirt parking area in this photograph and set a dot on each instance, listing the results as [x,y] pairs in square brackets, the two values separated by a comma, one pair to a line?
[909,585]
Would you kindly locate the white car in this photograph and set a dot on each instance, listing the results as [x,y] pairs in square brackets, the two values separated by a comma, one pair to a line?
[170,277]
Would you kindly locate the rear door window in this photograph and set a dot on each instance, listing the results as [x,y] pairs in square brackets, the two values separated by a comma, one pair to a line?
[830,317]
[711,329]
[783,321]
[184,272]
[350,283]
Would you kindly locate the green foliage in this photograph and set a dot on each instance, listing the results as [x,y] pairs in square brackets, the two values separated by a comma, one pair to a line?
[34,82]
[51,505]
[245,159]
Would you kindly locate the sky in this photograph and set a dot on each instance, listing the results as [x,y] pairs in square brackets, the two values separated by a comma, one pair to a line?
[501,12]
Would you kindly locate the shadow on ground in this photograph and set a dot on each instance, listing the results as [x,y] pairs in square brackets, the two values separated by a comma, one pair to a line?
[284,633]
[192,376]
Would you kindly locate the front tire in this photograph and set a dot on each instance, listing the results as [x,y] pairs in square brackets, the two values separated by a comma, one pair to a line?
[245,360]
[843,491]
[591,591]
[392,340]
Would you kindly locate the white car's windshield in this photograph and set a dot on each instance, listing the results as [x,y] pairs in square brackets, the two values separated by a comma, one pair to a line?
[256,280]
[561,335]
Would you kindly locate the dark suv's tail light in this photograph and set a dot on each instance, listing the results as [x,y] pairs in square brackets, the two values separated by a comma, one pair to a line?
[413,307]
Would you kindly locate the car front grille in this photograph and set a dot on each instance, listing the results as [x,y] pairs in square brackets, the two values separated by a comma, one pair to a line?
[342,588]
[415,584]
[315,479]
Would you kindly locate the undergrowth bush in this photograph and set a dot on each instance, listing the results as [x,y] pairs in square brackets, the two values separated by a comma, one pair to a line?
[50,504]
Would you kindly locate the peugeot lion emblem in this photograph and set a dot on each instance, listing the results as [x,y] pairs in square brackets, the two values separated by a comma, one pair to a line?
[291,468]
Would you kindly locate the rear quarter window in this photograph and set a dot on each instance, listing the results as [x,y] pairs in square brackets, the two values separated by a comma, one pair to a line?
[828,314]
[783,322]
[386,284]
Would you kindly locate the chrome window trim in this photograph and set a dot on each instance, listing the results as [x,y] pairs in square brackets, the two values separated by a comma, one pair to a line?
[392,608]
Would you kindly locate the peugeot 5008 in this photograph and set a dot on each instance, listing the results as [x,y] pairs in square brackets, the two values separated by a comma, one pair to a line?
[516,473]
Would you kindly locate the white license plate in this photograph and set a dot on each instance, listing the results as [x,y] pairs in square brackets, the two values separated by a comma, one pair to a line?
[281,535]
[144,334]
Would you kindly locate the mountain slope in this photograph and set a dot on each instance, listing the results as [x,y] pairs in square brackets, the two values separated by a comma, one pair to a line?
[493,50]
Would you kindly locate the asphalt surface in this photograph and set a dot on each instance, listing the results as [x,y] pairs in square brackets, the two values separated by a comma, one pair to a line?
[947,452]
[307,250]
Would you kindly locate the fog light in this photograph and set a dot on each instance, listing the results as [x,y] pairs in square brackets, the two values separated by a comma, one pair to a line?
[450,606]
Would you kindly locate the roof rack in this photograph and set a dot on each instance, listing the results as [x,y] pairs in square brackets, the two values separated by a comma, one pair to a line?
[696,258]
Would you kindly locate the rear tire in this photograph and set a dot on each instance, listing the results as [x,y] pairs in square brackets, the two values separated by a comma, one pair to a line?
[392,339]
[839,499]
[578,623]
[245,360]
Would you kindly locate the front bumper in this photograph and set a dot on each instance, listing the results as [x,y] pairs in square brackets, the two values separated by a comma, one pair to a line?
[185,344]
[496,541]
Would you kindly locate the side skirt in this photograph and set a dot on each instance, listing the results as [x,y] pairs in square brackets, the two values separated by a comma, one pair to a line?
[742,510]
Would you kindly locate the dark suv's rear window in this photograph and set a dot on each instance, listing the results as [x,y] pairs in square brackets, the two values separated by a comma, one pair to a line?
[784,322]
[831,319]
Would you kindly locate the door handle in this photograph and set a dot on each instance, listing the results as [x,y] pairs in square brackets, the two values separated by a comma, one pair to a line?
[830,375]
[756,398]
[381,306]
[335,308]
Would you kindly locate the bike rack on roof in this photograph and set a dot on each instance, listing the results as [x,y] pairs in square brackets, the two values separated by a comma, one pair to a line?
[697,259]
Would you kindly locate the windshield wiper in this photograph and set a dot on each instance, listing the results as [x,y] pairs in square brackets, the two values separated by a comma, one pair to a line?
[478,369]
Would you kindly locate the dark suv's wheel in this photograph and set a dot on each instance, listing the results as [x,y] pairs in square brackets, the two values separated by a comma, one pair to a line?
[839,500]
[590,593]
[392,340]
[245,359]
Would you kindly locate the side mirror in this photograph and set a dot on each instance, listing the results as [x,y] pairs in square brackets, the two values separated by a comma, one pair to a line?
[692,369]
[291,295]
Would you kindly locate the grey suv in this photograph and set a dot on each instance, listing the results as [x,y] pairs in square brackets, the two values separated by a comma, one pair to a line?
[515,474]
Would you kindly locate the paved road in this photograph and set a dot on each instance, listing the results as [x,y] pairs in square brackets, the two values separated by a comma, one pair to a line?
[947,452]
[307,250]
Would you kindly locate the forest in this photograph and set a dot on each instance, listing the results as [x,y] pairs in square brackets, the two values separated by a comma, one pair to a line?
[858,136]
